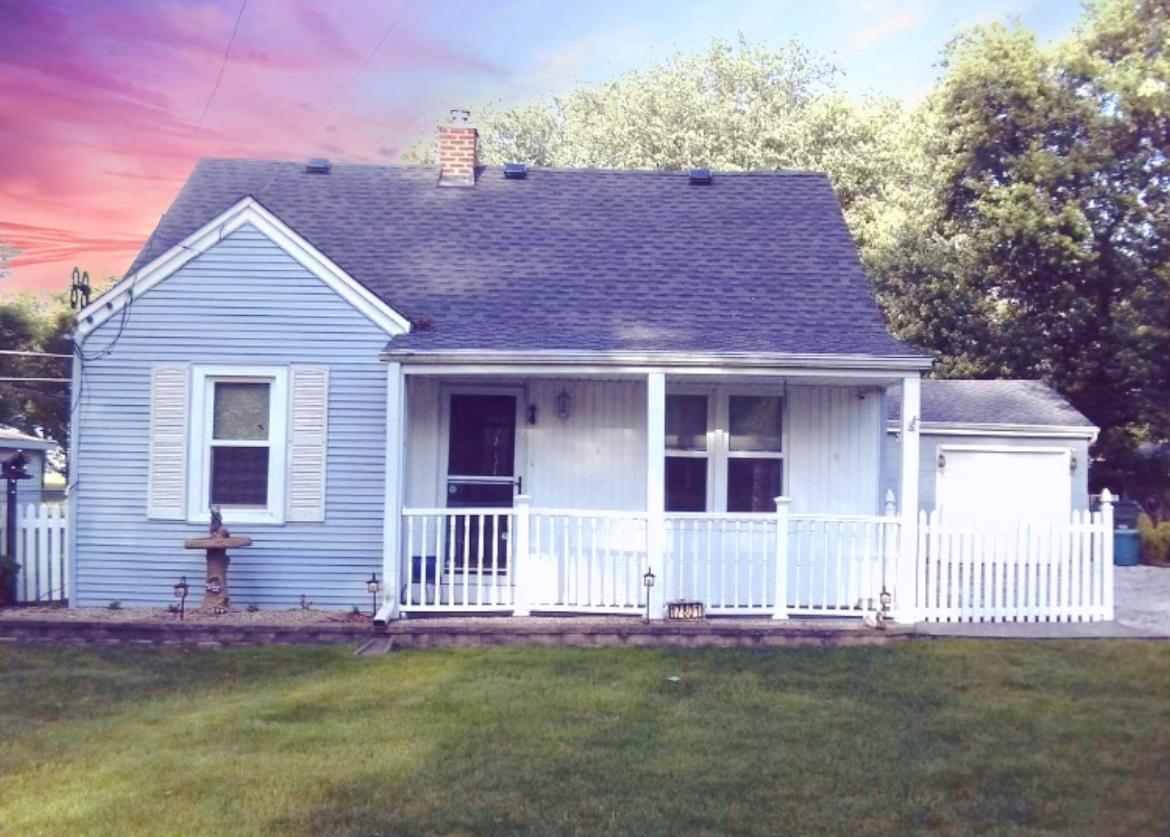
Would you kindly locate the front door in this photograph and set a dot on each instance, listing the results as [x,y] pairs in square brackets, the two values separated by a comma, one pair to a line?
[481,472]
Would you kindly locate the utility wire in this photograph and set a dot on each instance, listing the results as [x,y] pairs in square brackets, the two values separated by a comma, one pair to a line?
[223,66]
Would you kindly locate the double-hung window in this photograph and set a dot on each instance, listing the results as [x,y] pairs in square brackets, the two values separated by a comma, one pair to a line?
[239,443]
[724,451]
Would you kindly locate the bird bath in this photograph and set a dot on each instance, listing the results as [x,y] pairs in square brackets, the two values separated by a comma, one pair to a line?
[215,591]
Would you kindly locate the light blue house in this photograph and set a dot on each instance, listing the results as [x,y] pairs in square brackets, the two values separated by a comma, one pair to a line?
[502,390]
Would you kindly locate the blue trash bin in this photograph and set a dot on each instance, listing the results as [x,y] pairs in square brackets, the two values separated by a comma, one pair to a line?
[1127,547]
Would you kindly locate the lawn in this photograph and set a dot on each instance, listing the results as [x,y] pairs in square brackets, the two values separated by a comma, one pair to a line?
[929,736]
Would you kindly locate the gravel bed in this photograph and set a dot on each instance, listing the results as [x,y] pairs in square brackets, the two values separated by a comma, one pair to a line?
[295,616]
[1141,597]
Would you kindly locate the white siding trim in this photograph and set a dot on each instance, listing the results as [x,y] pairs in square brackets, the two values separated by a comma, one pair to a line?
[166,480]
[247,211]
[308,443]
[941,428]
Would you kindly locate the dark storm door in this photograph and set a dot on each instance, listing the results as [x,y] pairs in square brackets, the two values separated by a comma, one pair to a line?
[481,473]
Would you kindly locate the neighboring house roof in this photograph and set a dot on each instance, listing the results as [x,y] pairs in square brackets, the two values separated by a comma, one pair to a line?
[11,439]
[1011,403]
[573,260]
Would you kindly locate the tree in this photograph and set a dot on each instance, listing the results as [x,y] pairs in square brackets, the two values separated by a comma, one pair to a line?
[1041,243]
[29,324]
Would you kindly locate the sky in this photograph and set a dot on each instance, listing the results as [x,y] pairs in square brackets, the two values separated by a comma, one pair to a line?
[105,105]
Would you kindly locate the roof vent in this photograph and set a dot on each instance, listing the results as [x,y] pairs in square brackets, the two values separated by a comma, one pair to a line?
[701,177]
[318,165]
[515,171]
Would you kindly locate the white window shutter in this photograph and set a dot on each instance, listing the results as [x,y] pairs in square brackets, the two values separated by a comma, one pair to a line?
[170,398]
[308,438]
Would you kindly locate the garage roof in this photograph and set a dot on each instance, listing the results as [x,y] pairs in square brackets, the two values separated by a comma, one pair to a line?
[997,402]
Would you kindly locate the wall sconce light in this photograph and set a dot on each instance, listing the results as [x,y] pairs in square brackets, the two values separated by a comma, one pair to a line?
[1072,464]
[564,403]
[913,424]
[373,586]
[532,415]
[181,590]
[942,460]
[648,583]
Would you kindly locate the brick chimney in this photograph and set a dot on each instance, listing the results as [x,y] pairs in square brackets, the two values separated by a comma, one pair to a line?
[457,158]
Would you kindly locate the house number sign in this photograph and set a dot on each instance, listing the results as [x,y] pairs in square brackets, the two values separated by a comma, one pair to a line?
[684,610]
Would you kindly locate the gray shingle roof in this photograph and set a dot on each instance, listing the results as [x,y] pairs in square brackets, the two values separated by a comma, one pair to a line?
[994,402]
[577,260]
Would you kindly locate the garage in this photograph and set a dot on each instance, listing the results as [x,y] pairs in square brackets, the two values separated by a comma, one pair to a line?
[1003,482]
[999,448]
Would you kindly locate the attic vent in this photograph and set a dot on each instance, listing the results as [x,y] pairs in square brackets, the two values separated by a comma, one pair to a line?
[318,165]
[515,171]
[701,177]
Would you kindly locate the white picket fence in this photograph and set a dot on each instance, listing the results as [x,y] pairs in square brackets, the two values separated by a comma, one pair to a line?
[1003,571]
[528,560]
[42,551]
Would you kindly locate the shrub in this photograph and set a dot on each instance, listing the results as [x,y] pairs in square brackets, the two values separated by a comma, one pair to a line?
[114,605]
[1155,539]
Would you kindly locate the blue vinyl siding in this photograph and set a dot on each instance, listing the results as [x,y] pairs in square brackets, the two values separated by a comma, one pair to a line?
[244,301]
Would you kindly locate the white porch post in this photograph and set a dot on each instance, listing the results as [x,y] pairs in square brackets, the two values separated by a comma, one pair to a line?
[521,553]
[1107,555]
[392,511]
[656,488]
[780,606]
[904,591]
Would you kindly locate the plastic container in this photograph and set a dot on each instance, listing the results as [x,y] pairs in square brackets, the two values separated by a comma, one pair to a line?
[1127,547]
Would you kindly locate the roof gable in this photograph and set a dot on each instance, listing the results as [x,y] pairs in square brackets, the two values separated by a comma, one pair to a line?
[247,211]
[574,260]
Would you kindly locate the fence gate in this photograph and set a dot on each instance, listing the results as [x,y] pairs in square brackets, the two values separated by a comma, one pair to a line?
[42,547]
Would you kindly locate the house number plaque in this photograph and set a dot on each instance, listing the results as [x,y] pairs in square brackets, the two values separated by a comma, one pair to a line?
[684,610]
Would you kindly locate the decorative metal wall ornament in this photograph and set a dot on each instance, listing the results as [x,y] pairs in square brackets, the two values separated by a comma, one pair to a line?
[79,290]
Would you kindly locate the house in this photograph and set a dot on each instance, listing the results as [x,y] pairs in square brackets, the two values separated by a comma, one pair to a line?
[998,448]
[499,389]
[35,450]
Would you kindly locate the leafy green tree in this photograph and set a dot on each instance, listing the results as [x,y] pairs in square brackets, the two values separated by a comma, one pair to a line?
[30,324]
[1040,245]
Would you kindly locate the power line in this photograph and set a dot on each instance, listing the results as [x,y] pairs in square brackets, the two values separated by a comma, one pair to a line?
[223,66]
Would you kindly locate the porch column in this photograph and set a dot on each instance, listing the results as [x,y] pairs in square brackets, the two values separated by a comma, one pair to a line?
[780,593]
[392,511]
[904,591]
[656,488]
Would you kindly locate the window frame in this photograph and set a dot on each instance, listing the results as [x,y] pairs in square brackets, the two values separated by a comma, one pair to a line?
[718,452]
[203,381]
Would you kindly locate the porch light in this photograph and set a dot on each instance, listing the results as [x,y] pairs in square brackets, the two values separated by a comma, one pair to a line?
[1072,464]
[373,585]
[564,403]
[181,590]
[942,461]
[648,582]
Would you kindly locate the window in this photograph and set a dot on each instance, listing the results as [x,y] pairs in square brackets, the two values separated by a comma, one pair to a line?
[754,453]
[724,451]
[238,443]
[686,453]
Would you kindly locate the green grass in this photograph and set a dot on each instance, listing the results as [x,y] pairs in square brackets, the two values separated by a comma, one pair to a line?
[949,737]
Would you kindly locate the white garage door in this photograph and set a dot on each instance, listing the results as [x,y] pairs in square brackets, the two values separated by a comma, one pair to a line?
[1004,482]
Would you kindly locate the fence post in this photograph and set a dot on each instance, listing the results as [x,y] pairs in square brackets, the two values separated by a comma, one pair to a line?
[520,555]
[1107,543]
[780,604]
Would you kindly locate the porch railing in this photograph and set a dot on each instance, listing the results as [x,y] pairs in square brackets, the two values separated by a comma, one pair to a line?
[458,559]
[586,561]
[525,560]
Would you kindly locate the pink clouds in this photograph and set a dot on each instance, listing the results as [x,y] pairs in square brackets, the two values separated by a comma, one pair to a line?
[99,102]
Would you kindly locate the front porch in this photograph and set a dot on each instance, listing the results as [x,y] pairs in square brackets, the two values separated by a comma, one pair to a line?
[757,492]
